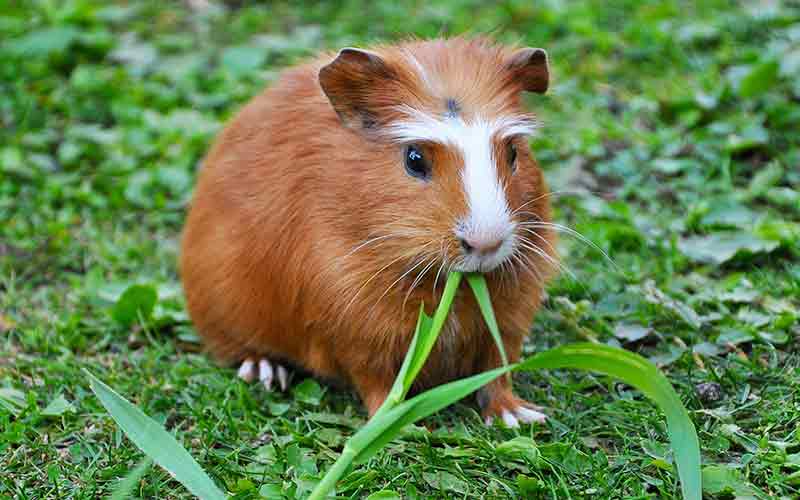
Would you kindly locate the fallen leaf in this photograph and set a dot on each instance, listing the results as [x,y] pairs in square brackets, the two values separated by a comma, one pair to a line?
[718,248]
[58,406]
[630,332]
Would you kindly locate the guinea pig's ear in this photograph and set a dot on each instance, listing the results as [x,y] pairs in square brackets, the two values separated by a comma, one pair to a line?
[530,69]
[350,81]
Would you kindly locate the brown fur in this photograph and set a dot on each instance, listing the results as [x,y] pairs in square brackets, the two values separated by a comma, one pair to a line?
[287,193]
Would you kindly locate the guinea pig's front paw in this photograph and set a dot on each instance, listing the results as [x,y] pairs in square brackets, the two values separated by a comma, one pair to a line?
[265,371]
[513,411]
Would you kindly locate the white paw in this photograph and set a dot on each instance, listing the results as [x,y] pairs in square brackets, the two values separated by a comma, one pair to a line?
[265,371]
[512,418]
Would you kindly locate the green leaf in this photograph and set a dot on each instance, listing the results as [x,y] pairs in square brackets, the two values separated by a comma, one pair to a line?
[784,196]
[445,481]
[156,442]
[481,291]
[403,381]
[631,332]
[44,42]
[138,56]
[639,373]
[242,60]
[761,78]
[766,178]
[672,166]
[58,406]
[721,479]
[652,294]
[277,409]
[726,212]
[521,447]
[382,429]
[125,488]
[734,336]
[135,300]
[309,392]
[632,369]
[429,335]
[271,491]
[12,400]
[628,367]
[750,137]
[718,248]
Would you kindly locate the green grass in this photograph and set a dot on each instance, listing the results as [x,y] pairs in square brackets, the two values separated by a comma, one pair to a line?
[670,131]
[397,414]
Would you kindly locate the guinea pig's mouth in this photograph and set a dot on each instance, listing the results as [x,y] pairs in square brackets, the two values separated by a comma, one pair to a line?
[473,260]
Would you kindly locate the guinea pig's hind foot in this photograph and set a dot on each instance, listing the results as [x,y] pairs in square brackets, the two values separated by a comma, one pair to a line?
[513,411]
[265,371]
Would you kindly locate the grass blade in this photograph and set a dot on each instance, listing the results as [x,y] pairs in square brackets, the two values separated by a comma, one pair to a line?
[618,363]
[378,432]
[156,442]
[632,369]
[425,335]
[402,383]
[428,338]
[637,372]
[478,284]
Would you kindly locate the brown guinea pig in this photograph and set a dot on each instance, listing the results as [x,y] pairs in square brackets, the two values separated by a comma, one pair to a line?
[335,203]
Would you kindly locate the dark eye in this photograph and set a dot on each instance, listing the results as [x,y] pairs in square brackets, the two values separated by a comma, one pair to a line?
[511,154]
[416,164]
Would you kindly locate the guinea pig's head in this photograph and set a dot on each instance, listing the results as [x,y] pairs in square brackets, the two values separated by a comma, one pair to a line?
[457,180]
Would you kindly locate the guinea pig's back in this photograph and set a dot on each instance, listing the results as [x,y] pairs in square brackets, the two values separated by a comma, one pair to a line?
[247,240]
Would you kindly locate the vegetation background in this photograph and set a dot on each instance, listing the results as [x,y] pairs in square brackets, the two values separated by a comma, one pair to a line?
[671,140]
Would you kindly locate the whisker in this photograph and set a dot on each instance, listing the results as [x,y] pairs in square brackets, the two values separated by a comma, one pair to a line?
[555,261]
[553,252]
[398,280]
[528,265]
[550,194]
[371,240]
[416,281]
[436,280]
[572,232]
[369,280]
[529,245]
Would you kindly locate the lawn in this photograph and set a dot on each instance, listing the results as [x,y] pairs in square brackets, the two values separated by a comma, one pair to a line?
[671,139]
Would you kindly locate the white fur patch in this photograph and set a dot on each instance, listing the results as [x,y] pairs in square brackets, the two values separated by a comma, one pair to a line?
[489,217]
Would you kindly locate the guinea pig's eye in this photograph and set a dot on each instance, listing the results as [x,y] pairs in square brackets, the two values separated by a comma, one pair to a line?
[416,164]
[511,154]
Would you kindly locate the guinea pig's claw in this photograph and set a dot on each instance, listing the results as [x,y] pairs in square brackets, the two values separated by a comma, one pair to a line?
[246,370]
[265,371]
[283,378]
[519,415]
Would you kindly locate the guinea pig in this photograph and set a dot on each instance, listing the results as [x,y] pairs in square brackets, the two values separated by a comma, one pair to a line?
[334,203]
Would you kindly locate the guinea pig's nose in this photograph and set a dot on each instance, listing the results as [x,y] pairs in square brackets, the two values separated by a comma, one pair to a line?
[480,246]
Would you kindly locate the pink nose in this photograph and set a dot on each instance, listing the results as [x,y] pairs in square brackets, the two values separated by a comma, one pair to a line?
[480,246]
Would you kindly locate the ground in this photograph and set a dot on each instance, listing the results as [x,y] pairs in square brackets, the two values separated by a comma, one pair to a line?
[670,138]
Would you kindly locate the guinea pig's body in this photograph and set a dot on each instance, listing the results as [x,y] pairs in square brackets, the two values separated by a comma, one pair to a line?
[334,204]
